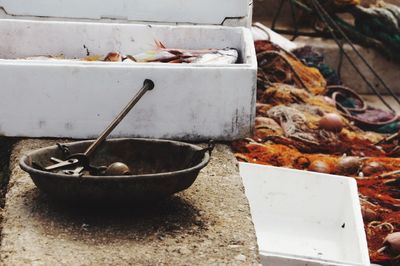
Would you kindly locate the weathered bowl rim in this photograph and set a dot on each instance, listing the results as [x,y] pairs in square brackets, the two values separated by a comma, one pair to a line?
[32,171]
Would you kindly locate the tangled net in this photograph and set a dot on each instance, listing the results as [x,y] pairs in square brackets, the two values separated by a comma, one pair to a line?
[291,100]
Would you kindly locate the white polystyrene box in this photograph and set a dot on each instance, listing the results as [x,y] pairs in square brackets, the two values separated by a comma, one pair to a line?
[78,99]
[209,12]
[304,218]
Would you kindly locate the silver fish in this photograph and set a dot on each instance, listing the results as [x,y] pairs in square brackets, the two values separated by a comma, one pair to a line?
[172,55]
[219,57]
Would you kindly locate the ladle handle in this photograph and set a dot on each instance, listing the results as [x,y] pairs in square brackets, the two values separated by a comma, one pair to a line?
[147,85]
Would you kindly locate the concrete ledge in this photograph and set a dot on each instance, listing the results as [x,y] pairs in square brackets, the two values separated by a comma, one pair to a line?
[389,71]
[209,224]
[265,10]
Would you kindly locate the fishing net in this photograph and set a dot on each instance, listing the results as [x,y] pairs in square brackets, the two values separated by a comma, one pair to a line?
[376,26]
[313,58]
[381,22]
[283,67]
[290,106]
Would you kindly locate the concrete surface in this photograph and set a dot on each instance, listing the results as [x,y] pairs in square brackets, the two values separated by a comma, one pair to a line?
[209,224]
[389,71]
[264,9]
[374,101]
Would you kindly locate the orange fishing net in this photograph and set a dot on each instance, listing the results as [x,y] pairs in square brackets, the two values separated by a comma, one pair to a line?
[283,67]
[287,133]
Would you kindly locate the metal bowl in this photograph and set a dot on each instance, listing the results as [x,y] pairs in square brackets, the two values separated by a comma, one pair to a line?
[159,168]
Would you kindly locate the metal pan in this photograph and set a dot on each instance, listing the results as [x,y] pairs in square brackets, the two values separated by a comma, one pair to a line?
[159,168]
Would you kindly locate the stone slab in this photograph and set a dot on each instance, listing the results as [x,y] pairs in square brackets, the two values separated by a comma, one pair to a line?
[264,12]
[385,68]
[373,100]
[209,224]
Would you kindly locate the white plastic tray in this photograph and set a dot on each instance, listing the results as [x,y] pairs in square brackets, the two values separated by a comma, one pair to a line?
[304,218]
[78,99]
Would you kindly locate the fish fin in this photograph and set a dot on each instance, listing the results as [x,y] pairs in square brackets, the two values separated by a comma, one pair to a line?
[159,44]
[131,58]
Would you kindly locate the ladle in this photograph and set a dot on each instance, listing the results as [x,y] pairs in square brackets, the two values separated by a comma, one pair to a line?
[81,160]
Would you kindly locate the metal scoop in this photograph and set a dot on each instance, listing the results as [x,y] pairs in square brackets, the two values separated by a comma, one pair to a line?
[81,160]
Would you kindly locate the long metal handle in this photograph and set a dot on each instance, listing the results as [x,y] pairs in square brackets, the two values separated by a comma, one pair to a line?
[147,86]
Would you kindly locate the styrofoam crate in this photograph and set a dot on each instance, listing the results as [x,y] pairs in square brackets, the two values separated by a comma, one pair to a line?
[208,12]
[305,218]
[78,99]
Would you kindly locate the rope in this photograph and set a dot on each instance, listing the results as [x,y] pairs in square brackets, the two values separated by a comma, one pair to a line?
[330,23]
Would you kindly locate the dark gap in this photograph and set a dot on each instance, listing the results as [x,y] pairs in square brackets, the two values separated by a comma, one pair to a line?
[6,145]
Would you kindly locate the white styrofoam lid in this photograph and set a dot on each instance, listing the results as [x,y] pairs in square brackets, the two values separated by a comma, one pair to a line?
[169,11]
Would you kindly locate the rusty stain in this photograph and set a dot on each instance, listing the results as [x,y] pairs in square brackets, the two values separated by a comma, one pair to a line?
[68,126]
[42,123]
